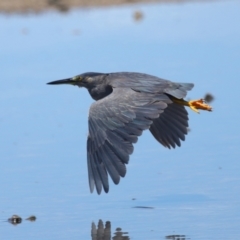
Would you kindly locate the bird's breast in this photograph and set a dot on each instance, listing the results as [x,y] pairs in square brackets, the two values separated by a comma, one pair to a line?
[100,91]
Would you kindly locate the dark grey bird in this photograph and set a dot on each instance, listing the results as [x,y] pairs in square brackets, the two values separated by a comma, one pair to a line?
[126,104]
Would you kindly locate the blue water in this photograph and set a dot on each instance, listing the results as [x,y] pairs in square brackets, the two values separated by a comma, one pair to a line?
[191,191]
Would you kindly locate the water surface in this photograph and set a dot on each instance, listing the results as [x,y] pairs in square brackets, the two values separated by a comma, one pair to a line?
[192,191]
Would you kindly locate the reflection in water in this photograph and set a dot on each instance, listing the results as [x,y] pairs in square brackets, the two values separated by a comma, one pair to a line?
[177,237]
[99,232]
[31,218]
[119,235]
[144,207]
[15,219]
[104,233]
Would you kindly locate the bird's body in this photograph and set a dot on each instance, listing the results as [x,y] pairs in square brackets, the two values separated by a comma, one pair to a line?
[126,104]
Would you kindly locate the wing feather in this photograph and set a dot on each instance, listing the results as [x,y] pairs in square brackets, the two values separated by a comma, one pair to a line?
[115,123]
[171,126]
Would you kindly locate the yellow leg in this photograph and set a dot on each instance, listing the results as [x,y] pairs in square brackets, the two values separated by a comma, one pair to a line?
[193,104]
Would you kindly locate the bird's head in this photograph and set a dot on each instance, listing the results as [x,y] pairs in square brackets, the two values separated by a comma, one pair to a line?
[82,80]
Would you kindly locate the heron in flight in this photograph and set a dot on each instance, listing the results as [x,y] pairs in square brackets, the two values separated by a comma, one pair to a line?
[126,103]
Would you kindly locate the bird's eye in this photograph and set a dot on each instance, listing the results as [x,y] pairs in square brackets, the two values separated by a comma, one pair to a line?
[77,78]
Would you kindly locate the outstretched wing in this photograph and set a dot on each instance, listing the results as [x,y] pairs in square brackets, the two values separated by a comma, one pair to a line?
[115,122]
[149,84]
[171,126]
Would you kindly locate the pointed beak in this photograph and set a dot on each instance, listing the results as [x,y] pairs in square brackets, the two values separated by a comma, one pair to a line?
[63,81]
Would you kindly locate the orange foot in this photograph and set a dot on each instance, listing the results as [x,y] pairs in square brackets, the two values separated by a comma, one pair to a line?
[199,104]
